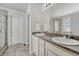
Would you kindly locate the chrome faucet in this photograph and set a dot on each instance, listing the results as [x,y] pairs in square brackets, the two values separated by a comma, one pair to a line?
[64,36]
[69,35]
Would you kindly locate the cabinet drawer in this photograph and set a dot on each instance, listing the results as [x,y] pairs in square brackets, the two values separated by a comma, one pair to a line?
[59,50]
[35,45]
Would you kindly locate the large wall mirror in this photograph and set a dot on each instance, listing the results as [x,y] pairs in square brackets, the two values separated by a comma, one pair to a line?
[66,24]
[70,24]
[75,23]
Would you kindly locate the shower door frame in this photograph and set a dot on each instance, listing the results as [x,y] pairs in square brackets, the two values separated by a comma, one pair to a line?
[5,46]
[6,32]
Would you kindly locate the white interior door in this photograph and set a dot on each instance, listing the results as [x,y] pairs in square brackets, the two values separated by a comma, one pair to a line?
[14,30]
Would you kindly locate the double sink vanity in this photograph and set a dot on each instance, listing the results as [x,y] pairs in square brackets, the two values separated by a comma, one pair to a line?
[54,44]
[62,38]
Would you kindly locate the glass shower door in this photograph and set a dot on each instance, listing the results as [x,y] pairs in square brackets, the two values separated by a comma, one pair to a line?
[3,32]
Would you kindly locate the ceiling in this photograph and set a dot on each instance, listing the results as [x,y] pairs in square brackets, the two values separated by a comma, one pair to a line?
[22,7]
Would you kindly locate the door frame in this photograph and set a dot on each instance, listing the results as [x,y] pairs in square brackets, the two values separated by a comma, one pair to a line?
[28,27]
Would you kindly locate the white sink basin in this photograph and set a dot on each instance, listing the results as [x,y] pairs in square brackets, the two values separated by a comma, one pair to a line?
[65,41]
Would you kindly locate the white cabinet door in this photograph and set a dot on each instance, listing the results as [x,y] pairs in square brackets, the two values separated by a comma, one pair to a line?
[41,50]
[41,47]
[35,45]
[50,53]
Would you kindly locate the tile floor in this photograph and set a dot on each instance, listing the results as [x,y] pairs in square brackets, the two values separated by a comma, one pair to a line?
[17,50]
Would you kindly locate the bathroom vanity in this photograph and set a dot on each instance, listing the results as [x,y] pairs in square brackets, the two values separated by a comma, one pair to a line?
[43,45]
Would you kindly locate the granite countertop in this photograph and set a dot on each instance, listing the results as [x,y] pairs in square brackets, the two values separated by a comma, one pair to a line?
[48,38]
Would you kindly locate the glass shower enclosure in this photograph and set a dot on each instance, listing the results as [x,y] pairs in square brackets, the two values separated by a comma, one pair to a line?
[3,31]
